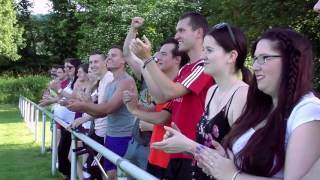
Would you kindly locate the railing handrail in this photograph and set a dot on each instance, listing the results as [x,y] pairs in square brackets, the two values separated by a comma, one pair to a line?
[120,162]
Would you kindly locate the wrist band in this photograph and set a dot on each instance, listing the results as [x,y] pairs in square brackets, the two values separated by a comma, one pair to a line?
[147,62]
[235,175]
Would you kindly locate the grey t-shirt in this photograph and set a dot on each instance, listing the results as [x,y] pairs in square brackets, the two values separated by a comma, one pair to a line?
[120,122]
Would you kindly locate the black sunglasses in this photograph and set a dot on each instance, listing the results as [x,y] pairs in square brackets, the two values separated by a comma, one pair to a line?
[223,25]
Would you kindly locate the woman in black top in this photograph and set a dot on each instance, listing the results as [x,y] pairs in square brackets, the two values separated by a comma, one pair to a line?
[225,53]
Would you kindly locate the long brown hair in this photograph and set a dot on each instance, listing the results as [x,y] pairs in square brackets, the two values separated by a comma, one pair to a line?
[264,153]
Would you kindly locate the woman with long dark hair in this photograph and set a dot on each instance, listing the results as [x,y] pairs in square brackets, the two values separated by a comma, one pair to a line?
[277,136]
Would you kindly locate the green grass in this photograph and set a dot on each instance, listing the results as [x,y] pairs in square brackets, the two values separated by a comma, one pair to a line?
[20,156]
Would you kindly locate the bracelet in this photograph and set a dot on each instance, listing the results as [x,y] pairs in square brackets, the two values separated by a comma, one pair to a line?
[235,175]
[147,62]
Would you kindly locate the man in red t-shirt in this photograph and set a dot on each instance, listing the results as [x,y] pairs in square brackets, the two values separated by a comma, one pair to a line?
[187,92]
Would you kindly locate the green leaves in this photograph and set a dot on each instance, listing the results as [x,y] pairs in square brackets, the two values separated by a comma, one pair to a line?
[10,32]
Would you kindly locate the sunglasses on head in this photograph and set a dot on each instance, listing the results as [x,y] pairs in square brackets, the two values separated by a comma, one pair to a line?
[224,25]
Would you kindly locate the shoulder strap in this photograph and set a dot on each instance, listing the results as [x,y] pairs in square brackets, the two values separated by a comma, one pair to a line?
[230,100]
[208,105]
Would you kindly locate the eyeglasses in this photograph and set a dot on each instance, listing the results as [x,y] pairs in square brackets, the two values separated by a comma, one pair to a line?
[264,58]
[69,67]
[223,25]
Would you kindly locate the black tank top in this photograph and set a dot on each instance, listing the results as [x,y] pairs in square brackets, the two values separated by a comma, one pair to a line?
[215,128]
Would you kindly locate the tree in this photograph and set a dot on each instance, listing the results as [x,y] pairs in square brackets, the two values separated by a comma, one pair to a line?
[10,32]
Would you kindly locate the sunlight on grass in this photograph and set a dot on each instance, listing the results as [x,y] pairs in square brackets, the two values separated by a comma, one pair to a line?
[20,156]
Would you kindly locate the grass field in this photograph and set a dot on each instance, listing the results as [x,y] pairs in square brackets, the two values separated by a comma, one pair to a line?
[20,156]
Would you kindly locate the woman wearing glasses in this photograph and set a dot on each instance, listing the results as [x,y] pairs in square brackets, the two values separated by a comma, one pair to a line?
[277,136]
[225,53]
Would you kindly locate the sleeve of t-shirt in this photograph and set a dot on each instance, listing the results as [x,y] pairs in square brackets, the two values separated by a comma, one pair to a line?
[307,112]
[196,81]
[168,106]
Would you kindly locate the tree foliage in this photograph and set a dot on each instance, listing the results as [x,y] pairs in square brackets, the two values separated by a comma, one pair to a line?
[10,32]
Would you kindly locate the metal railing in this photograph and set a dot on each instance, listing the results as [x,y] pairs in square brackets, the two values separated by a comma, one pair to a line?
[30,112]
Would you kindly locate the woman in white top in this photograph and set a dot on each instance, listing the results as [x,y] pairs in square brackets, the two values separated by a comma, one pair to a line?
[277,136]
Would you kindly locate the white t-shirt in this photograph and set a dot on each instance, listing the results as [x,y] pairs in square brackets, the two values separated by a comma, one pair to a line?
[100,124]
[62,112]
[308,109]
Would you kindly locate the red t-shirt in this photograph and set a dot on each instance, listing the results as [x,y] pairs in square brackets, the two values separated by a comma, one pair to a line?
[187,110]
[158,157]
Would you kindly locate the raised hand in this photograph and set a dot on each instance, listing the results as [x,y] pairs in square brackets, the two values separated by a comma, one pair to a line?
[137,22]
[142,49]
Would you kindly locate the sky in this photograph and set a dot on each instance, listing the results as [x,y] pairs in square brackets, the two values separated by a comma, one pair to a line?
[41,6]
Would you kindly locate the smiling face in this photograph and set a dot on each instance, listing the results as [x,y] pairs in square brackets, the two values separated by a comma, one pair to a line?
[97,64]
[82,75]
[115,59]
[216,59]
[268,75]
[166,60]
[185,35]
[60,74]
[69,69]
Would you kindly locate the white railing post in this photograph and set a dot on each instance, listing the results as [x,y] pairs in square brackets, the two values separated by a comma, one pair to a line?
[43,145]
[32,118]
[54,148]
[73,158]
[24,109]
[28,115]
[36,125]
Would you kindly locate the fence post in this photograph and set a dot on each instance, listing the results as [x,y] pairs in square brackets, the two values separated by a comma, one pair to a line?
[36,125]
[73,158]
[54,148]
[43,145]
[33,119]
[28,114]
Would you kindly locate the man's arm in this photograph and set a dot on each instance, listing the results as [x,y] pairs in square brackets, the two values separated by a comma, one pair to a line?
[169,89]
[103,109]
[152,117]
[133,61]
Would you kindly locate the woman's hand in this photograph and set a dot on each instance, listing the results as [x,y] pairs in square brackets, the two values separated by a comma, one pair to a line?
[214,163]
[174,141]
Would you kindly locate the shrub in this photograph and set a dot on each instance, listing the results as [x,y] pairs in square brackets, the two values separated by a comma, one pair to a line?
[31,86]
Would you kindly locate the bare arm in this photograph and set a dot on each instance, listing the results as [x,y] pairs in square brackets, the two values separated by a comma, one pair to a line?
[133,61]
[103,109]
[154,89]
[303,147]
[169,89]
[152,117]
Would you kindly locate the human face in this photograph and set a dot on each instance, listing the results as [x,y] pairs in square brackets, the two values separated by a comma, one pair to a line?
[268,75]
[91,75]
[185,35]
[97,64]
[82,75]
[53,73]
[216,59]
[166,61]
[115,59]
[69,69]
[316,7]
[60,74]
